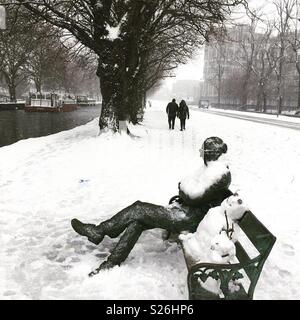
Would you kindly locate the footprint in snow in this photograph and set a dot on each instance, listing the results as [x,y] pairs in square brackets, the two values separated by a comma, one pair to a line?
[75,259]
[76,243]
[57,246]
[80,251]
[9,293]
[290,253]
[284,273]
[101,255]
[91,247]
[288,249]
[287,246]
[52,255]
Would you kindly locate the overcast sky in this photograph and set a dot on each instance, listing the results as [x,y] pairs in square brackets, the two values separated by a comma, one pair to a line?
[192,70]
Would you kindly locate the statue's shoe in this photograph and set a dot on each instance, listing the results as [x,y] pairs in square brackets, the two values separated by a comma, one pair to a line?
[87,230]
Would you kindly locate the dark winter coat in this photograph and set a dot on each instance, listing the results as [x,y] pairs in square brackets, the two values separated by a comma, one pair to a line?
[183,111]
[172,109]
[212,196]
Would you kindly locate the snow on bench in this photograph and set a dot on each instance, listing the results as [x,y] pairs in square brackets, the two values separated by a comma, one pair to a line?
[226,254]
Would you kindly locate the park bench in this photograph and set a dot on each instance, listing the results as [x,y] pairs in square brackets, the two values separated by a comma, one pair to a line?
[247,270]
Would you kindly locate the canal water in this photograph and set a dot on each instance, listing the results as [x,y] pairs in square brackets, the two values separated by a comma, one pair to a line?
[16,125]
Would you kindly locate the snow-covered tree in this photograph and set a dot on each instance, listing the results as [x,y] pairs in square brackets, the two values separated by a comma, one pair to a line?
[293,40]
[127,35]
[46,62]
[16,43]
[284,11]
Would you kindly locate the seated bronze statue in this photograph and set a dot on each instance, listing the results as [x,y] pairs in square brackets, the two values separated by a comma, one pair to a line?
[205,189]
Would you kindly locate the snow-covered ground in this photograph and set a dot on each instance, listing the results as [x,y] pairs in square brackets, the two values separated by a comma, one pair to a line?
[259,115]
[45,182]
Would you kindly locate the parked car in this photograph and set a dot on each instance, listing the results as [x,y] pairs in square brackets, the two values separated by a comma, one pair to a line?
[203,104]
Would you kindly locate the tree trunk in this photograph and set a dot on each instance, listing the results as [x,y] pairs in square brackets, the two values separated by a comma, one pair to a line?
[258,100]
[245,94]
[258,103]
[280,105]
[219,97]
[38,85]
[260,96]
[10,81]
[136,103]
[219,85]
[121,89]
[109,118]
[114,95]
[279,84]
[12,91]
[298,102]
[279,97]
[144,99]
[264,102]
[135,107]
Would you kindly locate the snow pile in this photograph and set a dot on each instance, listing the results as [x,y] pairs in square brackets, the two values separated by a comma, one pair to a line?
[195,184]
[213,241]
[281,117]
[222,249]
[113,32]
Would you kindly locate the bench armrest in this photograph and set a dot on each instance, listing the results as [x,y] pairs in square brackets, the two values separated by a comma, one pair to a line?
[224,273]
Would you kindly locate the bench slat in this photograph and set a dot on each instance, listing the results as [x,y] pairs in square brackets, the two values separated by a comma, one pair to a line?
[257,233]
[241,254]
[244,259]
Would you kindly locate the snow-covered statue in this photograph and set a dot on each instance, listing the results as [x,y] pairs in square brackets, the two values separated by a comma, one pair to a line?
[218,224]
[207,187]
[213,241]
[222,249]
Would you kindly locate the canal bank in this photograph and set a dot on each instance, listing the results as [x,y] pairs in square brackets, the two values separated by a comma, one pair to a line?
[16,125]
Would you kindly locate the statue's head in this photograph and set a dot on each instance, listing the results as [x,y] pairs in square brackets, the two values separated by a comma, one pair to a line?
[212,148]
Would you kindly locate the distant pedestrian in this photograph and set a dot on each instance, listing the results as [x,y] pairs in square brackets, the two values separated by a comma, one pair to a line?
[183,113]
[171,110]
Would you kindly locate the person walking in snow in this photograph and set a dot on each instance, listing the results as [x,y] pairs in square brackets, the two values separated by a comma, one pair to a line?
[199,192]
[182,114]
[171,110]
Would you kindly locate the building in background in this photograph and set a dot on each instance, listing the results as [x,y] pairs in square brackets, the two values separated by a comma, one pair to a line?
[222,62]
[241,71]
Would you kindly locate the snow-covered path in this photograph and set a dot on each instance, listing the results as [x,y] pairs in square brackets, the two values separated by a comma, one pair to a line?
[45,182]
